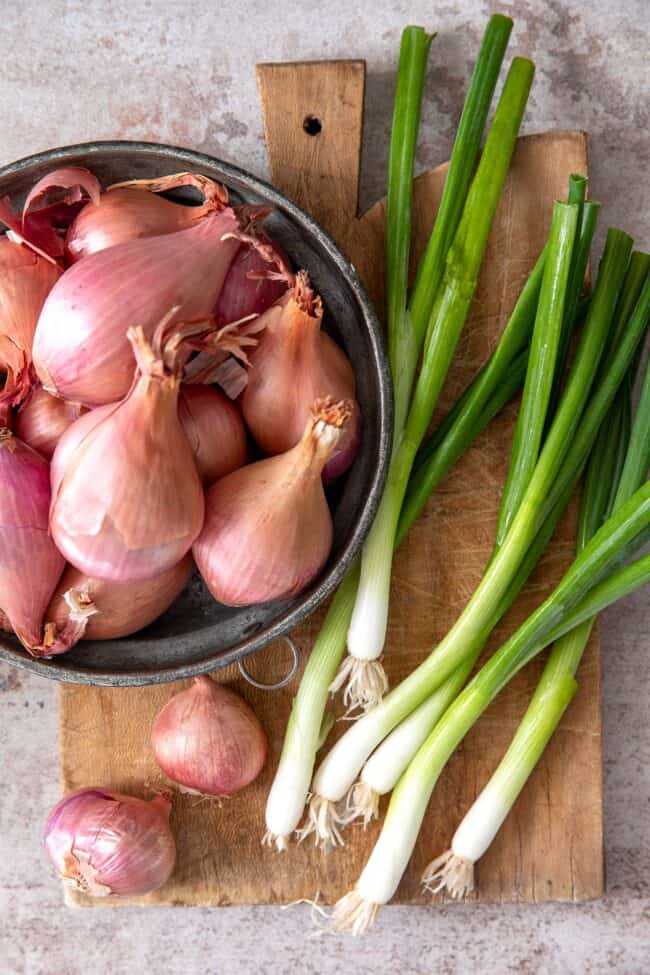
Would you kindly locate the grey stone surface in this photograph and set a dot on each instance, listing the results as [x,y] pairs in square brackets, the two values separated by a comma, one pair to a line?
[185,74]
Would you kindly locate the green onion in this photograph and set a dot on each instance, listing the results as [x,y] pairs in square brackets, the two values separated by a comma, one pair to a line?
[407,331]
[613,372]
[577,597]
[361,672]
[460,172]
[635,279]
[402,343]
[383,769]
[551,311]
[286,801]
[589,218]
[637,460]
[454,871]
[564,453]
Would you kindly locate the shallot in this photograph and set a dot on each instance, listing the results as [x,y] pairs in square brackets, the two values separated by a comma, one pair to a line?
[43,419]
[30,565]
[295,363]
[128,211]
[127,501]
[208,740]
[96,609]
[214,429]
[81,352]
[268,529]
[104,843]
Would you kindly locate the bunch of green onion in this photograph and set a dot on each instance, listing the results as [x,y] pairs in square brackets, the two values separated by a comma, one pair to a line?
[618,464]
[545,467]
[594,581]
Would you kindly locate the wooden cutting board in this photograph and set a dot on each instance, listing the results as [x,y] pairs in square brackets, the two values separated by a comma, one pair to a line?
[551,846]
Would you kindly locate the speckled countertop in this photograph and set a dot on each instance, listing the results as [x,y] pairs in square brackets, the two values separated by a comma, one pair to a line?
[157,69]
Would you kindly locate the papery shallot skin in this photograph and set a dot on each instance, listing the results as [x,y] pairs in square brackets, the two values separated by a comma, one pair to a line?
[81,352]
[268,529]
[215,430]
[49,209]
[43,419]
[25,282]
[106,844]
[293,364]
[30,565]
[111,610]
[127,500]
[208,740]
[250,286]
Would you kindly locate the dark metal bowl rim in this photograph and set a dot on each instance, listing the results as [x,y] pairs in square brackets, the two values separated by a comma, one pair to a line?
[327,585]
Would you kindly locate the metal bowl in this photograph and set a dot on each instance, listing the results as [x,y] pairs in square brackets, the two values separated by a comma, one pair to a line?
[197,634]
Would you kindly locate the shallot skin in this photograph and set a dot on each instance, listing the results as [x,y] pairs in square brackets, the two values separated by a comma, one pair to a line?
[249,289]
[215,431]
[30,565]
[208,740]
[81,352]
[120,608]
[105,843]
[50,207]
[25,282]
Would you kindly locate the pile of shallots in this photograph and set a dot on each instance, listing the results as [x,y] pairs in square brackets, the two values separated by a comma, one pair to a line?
[209,742]
[151,352]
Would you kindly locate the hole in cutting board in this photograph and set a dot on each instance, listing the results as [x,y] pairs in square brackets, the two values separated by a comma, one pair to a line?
[312,125]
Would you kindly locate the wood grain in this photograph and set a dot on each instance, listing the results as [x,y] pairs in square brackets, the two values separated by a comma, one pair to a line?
[321,172]
[551,846]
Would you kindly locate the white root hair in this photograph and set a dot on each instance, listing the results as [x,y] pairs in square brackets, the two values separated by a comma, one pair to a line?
[449,873]
[353,914]
[281,843]
[362,802]
[324,821]
[364,683]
